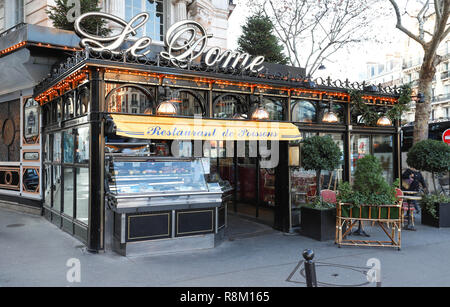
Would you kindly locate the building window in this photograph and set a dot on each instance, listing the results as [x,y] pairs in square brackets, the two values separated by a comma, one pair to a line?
[154,28]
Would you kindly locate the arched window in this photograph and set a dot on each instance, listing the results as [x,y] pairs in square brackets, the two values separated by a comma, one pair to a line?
[191,103]
[274,107]
[304,111]
[154,27]
[229,105]
[131,99]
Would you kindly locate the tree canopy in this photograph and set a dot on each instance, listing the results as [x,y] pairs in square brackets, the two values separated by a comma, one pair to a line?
[63,12]
[258,39]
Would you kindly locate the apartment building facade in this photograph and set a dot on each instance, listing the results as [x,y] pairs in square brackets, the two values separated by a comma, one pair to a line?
[404,67]
[212,14]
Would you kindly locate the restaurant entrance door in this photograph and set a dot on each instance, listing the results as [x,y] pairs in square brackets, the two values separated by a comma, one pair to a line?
[254,186]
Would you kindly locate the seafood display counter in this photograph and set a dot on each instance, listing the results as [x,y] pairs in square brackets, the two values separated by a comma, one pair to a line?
[162,205]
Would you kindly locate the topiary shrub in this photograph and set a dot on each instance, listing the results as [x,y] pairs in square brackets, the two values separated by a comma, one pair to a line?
[369,187]
[320,153]
[430,156]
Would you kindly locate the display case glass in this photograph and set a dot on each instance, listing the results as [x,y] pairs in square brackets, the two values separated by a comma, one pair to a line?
[156,176]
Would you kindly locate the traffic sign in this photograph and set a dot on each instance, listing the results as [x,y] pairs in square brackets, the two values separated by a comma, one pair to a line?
[446,136]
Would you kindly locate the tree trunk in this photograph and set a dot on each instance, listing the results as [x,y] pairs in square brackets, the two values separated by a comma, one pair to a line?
[318,182]
[423,110]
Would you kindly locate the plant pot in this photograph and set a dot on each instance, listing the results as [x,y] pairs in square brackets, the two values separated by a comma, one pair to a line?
[318,224]
[443,214]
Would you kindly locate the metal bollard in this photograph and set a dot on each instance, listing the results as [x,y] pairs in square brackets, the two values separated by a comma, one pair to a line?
[310,268]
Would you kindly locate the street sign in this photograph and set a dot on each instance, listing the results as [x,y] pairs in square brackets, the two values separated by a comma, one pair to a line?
[446,136]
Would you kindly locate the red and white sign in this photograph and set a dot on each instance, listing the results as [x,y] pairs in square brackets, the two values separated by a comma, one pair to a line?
[446,136]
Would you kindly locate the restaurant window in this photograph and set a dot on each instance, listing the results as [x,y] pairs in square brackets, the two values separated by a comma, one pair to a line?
[130,99]
[229,106]
[68,146]
[380,146]
[82,146]
[82,194]
[275,108]
[304,111]
[69,105]
[68,191]
[48,185]
[190,103]
[154,27]
[56,187]
[83,100]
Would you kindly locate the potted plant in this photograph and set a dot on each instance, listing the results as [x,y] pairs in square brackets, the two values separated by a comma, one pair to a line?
[434,157]
[320,153]
[369,189]
[318,218]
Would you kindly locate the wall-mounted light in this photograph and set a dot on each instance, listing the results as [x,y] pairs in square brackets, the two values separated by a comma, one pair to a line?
[384,121]
[260,114]
[330,116]
[239,116]
[167,108]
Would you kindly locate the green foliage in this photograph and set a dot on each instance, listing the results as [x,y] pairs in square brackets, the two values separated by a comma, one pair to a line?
[368,115]
[92,25]
[318,204]
[402,106]
[258,39]
[370,187]
[320,153]
[428,202]
[430,156]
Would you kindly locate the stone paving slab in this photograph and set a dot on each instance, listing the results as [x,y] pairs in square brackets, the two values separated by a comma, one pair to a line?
[34,252]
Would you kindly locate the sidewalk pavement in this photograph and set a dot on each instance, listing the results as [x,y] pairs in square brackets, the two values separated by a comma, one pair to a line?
[34,252]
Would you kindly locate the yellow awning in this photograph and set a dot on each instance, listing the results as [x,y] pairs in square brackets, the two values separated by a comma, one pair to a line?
[170,128]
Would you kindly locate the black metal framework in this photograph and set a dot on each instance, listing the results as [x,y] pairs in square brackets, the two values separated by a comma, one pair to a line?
[208,87]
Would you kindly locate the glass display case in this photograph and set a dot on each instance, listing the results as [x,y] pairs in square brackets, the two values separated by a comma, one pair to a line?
[155,183]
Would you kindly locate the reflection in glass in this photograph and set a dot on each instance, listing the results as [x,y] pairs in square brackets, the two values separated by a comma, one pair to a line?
[83,100]
[156,176]
[68,146]
[57,187]
[48,186]
[30,179]
[360,149]
[189,105]
[227,107]
[130,100]
[274,107]
[68,106]
[304,111]
[68,191]
[47,152]
[82,201]
[82,145]
[57,147]
[382,149]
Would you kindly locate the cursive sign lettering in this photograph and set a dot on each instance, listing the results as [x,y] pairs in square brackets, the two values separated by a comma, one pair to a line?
[185,41]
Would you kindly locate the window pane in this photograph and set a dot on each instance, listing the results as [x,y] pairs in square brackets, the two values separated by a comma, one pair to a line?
[82,201]
[57,147]
[68,147]
[57,187]
[82,145]
[274,107]
[48,185]
[304,111]
[332,179]
[68,191]
[360,149]
[125,100]
[382,149]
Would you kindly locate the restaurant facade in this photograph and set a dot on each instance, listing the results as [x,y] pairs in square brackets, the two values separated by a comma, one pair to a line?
[146,149]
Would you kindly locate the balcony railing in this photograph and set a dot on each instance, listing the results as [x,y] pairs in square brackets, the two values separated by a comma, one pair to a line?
[441,98]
